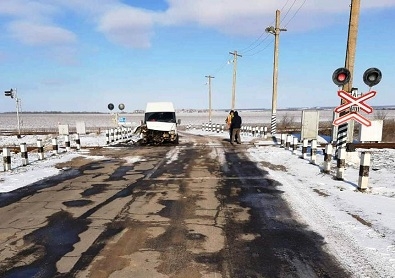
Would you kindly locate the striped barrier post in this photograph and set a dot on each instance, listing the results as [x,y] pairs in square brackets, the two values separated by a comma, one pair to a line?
[341,163]
[265,132]
[67,142]
[78,141]
[107,137]
[364,171]
[202,126]
[328,158]
[295,145]
[273,124]
[40,149]
[304,148]
[55,147]
[24,157]
[6,159]
[222,128]
[313,152]
[218,128]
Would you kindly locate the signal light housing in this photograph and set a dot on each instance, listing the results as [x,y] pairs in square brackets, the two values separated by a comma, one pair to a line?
[372,77]
[110,106]
[341,76]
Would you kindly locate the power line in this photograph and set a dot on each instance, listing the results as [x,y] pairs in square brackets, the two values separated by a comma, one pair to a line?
[249,47]
[297,11]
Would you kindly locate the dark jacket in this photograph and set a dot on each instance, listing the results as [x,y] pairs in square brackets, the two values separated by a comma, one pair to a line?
[236,120]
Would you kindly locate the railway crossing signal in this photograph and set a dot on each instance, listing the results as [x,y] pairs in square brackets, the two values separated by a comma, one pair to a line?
[352,104]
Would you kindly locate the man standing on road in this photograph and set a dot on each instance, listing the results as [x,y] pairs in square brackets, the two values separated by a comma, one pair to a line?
[228,121]
[235,127]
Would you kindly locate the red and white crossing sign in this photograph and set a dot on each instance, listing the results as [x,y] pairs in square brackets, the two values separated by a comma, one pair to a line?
[354,102]
[357,101]
[352,116]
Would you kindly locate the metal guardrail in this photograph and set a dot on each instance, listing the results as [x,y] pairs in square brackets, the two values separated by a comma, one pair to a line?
[351,147]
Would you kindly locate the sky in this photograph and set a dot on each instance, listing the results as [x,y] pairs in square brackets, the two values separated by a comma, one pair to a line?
[358,227]
[74,56]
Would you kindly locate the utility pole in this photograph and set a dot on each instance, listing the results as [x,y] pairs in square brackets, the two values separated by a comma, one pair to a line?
[347,130]
[276,32]
[209,96]
[235,55]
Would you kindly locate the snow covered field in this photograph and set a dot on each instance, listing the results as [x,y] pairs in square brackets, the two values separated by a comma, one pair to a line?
[358,227]
[36,121]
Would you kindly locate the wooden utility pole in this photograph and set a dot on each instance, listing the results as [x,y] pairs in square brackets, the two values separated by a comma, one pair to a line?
[235,55]
[276,32]
[350,54]
[346,131]
[209,96]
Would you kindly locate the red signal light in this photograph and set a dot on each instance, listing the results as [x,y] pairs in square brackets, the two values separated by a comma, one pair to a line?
[341,76]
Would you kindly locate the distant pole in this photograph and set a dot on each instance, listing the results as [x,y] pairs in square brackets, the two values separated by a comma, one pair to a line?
[209,96]
[276,32]
[14,94]
[235,55]
[347,129]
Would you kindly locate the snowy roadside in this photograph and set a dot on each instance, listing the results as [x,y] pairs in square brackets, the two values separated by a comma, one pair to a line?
[358,227]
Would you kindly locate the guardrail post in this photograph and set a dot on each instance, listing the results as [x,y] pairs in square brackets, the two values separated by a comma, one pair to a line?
[24,157]
[107,137]
[304,148]
[40,149]
[67,142]
[282,139]
[364,171]
[112,135]
[55,147]
[341,163]
[313,151]
[6,159]
[288,142]
[295,145]
[265,132]
[78,141]
[328,158]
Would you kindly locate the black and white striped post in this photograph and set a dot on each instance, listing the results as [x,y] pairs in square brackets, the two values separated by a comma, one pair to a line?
[265,132]
[6,159]
[342,136]
[67,142]
[24,157]
[273,124]
[304,148]
[78,141]
[364,171]
[55,147]
[313,151]
[341,163]
[328,158]
[40,149]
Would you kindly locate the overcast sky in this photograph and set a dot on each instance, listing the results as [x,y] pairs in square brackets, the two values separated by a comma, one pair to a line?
[73,55]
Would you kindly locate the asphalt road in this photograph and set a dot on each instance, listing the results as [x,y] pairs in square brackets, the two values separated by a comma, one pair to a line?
[198,209]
